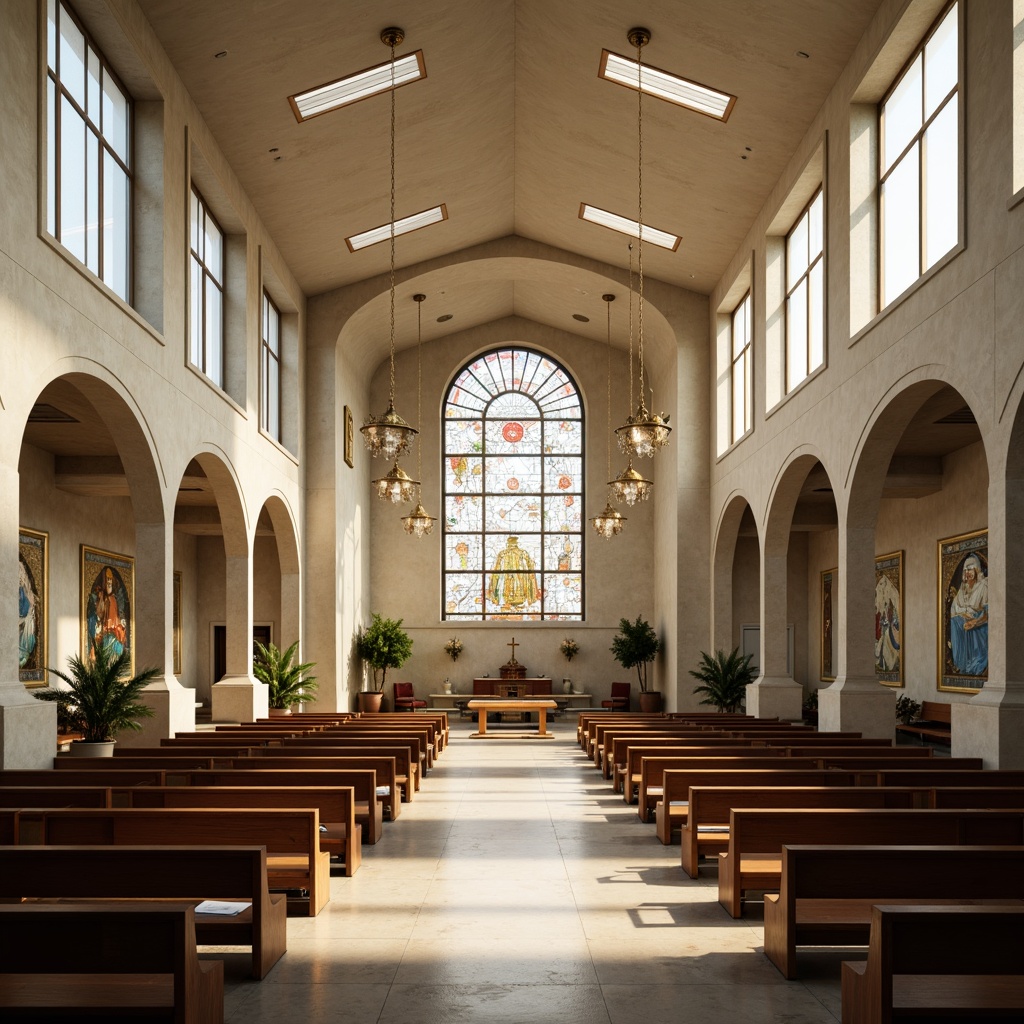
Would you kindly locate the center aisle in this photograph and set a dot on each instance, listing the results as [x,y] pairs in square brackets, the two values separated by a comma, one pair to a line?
[517,888]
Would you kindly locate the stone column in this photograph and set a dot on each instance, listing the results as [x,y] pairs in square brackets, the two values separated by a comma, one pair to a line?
[28,727]
[856,701]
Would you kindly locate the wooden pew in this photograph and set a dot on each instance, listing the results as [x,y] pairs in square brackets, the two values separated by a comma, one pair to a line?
[420,737]
[340,835]
[407,769]
[905,775]
[930,961]
[935,723]
[672,810]
[55,796]
[140,960]
[253,773]
[292,838]
[706,832]
[826,892]
[753,860]
[192,873]
[105,775]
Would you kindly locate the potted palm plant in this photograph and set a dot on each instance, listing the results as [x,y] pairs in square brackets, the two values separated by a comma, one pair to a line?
[286,683]
[636,645]
[724,679]
[96,702]
[382,645]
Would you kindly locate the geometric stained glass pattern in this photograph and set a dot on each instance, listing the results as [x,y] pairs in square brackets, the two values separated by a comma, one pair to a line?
[513,490]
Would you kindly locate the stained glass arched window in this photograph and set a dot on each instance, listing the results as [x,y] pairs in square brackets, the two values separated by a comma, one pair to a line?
[513,490]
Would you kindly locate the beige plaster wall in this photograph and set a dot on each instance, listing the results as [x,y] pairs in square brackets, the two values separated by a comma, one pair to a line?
[959,325]
[56,318]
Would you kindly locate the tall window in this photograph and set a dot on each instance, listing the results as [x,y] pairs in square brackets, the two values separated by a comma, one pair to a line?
[88,152]
[513,490]
[805,294]
[270,370]
[742,402]
[919,161]
[206,295]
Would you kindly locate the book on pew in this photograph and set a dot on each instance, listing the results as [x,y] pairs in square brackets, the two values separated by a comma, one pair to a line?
[221,907]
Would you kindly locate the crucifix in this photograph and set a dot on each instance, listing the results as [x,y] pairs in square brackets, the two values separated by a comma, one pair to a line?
[513,645]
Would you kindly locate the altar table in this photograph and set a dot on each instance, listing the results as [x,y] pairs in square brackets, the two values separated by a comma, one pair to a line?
[482,707]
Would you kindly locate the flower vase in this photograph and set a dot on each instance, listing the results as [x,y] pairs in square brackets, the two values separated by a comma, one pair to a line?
[566,686]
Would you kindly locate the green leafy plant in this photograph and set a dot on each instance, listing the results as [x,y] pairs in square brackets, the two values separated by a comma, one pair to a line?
[453,648]
[906,709]
[809,708]
[284,680]
[97,702]
[636,645]
[569,648]
[383,645]
[724,679]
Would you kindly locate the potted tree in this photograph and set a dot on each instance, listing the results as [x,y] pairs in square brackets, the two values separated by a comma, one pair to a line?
[724,679]
[97,702]
[285,683]
[636,645]
[382,645]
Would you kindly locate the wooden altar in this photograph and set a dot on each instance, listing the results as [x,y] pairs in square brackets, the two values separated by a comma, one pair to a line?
[512,689]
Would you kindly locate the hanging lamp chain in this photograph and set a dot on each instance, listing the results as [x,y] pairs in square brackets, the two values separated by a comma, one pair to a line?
[608,358]
[419,384]
[629,408]
[392,40]
[640,37]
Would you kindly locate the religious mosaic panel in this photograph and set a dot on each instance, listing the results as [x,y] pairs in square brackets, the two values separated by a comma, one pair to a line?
[513,504]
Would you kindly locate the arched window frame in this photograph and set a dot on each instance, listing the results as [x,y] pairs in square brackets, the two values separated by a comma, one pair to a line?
[498,402]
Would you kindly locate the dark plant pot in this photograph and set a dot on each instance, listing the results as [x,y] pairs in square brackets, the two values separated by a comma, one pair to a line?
[650,701]
[370,701]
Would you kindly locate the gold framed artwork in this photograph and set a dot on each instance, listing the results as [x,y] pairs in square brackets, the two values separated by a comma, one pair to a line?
[829,580]
[176,624]
[108,604]
[349,438]
[963,612]
[33,605]
[889,618]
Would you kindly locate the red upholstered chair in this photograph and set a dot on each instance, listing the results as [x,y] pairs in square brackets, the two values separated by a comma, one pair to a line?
[404,699]
[619,699]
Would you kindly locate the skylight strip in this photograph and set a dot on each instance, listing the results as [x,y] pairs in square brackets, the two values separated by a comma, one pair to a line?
[629,227]
[665,86]
[362,84]
[382,233]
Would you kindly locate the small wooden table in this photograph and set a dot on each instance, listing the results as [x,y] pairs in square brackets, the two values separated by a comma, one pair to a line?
[541,706]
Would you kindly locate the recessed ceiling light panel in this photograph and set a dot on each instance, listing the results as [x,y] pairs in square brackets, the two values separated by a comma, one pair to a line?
[402,227]
[360,86]
[672,88]
[629,227]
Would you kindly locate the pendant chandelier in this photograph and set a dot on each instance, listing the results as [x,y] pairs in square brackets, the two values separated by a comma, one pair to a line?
[644,432]
[389,435]
[610,522]
[396,486]
[418,523]
[630,486]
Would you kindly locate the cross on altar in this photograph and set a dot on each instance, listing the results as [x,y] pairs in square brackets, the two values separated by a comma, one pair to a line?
[513,645]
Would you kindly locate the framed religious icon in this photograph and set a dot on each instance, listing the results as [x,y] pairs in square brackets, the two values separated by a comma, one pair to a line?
[349,438]
[889,618]
[33,605]
[828,638]
[963,612]
[108,604]
[176,624]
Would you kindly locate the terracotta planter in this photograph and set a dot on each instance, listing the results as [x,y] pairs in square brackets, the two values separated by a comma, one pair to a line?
[278,712]
[650,701]
[370,701]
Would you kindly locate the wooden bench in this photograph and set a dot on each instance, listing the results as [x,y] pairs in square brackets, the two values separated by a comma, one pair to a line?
[753,860]
[938,961]
[706,832]
[390,762]
[405,752]
[136,960]
[258,772]
[295,862]
[672,810]
[106,775]
[340,835]
[55,796]
[935,723]
[187,873]
[826,892]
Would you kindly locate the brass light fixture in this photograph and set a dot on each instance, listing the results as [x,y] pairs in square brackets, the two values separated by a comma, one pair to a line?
[610,522]
[644,432]
[389,435]
[630,486]
[396,486]
[418,523]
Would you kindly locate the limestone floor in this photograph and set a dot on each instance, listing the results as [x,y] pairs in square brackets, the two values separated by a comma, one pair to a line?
[516,887]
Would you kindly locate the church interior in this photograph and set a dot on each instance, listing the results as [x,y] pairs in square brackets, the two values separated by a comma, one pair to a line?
[317,312]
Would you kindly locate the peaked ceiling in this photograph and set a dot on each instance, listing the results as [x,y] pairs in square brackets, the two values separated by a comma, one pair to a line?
[512,129]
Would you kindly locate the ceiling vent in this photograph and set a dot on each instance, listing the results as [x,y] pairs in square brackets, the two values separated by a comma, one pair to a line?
[962,417]
[43,413]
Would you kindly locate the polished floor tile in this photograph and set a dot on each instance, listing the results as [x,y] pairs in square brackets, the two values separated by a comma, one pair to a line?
[517,888]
